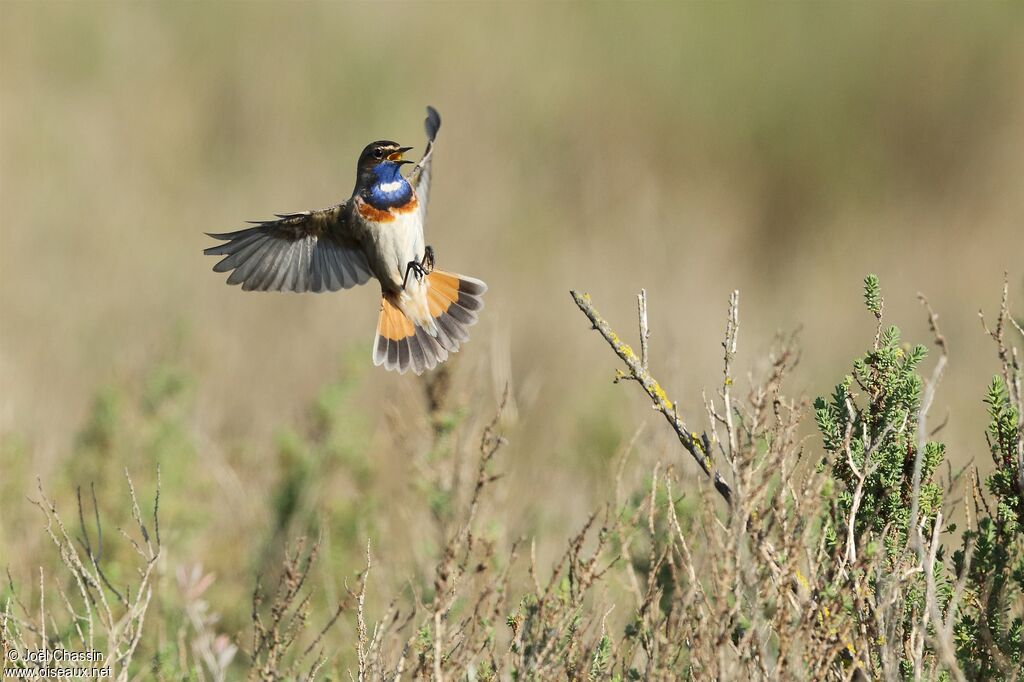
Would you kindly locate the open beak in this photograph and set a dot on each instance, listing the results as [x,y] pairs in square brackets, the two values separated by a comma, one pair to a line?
[397,155]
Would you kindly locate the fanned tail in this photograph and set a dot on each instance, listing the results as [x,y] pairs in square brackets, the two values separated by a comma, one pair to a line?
[444,307]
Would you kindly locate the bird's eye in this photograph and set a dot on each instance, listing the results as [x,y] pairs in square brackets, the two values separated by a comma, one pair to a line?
[378,153]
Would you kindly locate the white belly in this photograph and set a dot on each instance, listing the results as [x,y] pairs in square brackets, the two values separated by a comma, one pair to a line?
[393,245]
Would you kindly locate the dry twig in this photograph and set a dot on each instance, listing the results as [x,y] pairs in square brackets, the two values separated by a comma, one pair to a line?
[697,446]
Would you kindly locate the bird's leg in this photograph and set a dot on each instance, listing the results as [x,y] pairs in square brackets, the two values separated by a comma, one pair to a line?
[420,268]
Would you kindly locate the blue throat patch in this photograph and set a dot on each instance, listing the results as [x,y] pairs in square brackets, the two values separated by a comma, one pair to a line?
[390,188]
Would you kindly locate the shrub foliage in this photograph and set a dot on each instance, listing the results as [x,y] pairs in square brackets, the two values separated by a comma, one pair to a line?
[822,558]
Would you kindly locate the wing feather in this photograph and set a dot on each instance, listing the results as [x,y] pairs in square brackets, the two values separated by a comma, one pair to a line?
[307,251]
[420,176]
[316,282]
[283,270]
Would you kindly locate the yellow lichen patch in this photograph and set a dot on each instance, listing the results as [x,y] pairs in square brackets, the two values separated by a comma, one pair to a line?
[660,393]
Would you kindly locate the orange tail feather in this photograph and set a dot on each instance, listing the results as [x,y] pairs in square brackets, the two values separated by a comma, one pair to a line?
[453,302]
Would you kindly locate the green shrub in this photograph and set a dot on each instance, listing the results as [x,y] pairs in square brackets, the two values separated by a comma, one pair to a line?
[789,560]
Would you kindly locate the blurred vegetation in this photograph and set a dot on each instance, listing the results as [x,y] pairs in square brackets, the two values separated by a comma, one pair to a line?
[690,149]
[822,561]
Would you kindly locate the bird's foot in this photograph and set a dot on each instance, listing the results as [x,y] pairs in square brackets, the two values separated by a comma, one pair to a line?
[421,268]
[428,259]
[416,269]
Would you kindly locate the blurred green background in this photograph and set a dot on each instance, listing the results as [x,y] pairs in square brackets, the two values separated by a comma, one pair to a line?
[785,150]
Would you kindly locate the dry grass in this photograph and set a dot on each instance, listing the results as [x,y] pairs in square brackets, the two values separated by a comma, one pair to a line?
[737,579]
[691,150]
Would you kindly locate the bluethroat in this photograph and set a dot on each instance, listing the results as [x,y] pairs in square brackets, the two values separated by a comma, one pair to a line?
[377,232]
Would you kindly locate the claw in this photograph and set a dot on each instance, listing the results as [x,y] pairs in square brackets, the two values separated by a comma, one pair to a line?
[417,270]
[420,268]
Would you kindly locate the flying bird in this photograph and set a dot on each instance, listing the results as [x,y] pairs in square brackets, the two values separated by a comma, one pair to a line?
[377,232]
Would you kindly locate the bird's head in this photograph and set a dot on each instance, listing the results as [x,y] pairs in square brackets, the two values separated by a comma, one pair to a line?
[379,177]
[382,156]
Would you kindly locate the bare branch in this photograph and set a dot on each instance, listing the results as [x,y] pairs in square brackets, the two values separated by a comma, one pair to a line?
[913,532]
[693,443]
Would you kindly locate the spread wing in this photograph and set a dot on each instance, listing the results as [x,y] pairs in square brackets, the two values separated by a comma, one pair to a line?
[420,176]
[308,251]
